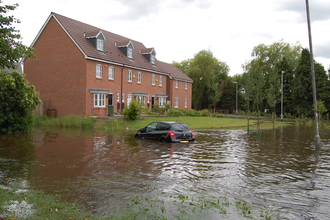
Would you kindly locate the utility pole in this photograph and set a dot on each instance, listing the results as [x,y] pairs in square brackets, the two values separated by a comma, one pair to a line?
[282,96]
[317,135]
[236,96]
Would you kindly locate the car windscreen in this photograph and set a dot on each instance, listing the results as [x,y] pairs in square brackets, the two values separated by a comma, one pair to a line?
[179,127]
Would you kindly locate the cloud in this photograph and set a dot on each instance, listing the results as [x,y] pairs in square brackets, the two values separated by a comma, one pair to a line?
[319,9]
[322,50]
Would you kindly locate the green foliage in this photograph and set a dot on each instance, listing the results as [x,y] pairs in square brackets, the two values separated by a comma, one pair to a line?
[11,49]
[205,112]
[71,121]
[132,112]
[36,205]
[161,109]
[176,112]
[17,102]
[113,125]
[207,73]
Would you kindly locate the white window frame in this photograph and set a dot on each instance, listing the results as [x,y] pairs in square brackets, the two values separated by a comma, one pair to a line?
[129,75]
[160,80]
[139,77]
[186,102]
[176,102]
[162,101]
[111,73]
[140,100]
[153,79]
[118,96]
[122,97]
[98,71]
[100,44]
[186,86]
[152,59]
[129,52]
[99,99]
[176,84]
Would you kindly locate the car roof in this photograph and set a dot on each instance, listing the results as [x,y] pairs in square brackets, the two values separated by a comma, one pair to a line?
[168,122]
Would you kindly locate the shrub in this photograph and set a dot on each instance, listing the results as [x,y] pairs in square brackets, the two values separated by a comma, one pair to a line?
[175,112]
[132,112]
[17,102]
[205,112]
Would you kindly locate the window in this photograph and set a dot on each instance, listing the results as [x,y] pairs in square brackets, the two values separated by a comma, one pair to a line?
[129,76]
[139,77]
[98,71]
[160,80]
[176,102]
[186,85]
[186,102]
[118,95]
[153,79]
[99,100]
[151,127]
[123,97]
[111,73]
[99,44]
[162,101]
[176,84]
[130,53]
[140,100]
[152,59]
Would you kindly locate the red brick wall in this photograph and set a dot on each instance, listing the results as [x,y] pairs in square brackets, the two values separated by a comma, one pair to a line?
[181,92]
[59,72]
[63,76]
[117,86]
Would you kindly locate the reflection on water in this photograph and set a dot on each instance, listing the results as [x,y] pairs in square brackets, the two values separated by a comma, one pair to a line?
[279,171]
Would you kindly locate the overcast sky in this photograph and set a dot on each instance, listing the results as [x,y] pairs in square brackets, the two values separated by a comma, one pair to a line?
[178,29]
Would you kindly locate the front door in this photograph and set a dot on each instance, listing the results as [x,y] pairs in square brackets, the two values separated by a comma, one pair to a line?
[110,99]
[129,99]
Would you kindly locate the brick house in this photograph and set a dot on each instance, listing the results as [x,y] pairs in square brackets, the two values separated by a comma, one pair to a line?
[82,69]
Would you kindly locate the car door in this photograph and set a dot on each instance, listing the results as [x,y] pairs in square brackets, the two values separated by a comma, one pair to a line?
[161,130]
[150,131]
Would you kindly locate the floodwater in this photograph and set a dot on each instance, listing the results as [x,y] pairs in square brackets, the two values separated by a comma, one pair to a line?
[279,170]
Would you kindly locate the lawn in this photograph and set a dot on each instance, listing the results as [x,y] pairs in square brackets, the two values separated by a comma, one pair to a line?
[202,123]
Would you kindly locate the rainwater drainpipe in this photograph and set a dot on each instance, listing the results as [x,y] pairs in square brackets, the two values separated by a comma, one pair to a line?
[121,89]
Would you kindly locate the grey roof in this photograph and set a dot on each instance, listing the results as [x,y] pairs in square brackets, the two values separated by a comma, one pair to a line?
[78,31]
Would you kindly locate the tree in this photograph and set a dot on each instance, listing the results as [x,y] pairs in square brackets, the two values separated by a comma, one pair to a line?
[17,98]
[132,111]
[207,73]
[264,70]
[17,102]
[11,48]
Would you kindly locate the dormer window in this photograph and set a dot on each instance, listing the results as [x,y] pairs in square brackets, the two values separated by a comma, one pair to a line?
[96,38]
[152,59]
[130,53]
[126,47]
[149,54]
[100,44]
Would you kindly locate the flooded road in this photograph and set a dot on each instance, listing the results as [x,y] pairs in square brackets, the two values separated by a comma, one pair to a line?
[278,171]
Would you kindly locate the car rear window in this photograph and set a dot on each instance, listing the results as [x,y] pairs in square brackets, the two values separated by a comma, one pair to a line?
[179,127]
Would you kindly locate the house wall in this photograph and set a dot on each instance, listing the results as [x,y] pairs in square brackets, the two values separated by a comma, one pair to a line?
[59,72]
[120,85]
[181,93]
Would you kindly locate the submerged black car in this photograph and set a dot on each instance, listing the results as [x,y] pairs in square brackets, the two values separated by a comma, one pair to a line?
[166,131]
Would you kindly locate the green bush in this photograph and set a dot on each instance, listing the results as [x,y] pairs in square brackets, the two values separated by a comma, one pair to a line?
[17,102]
[175,112]
[132,112]
[205,112]
[71,121]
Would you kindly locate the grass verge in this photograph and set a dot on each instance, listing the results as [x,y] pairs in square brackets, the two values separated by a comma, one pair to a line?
[195,123]
[28,204]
